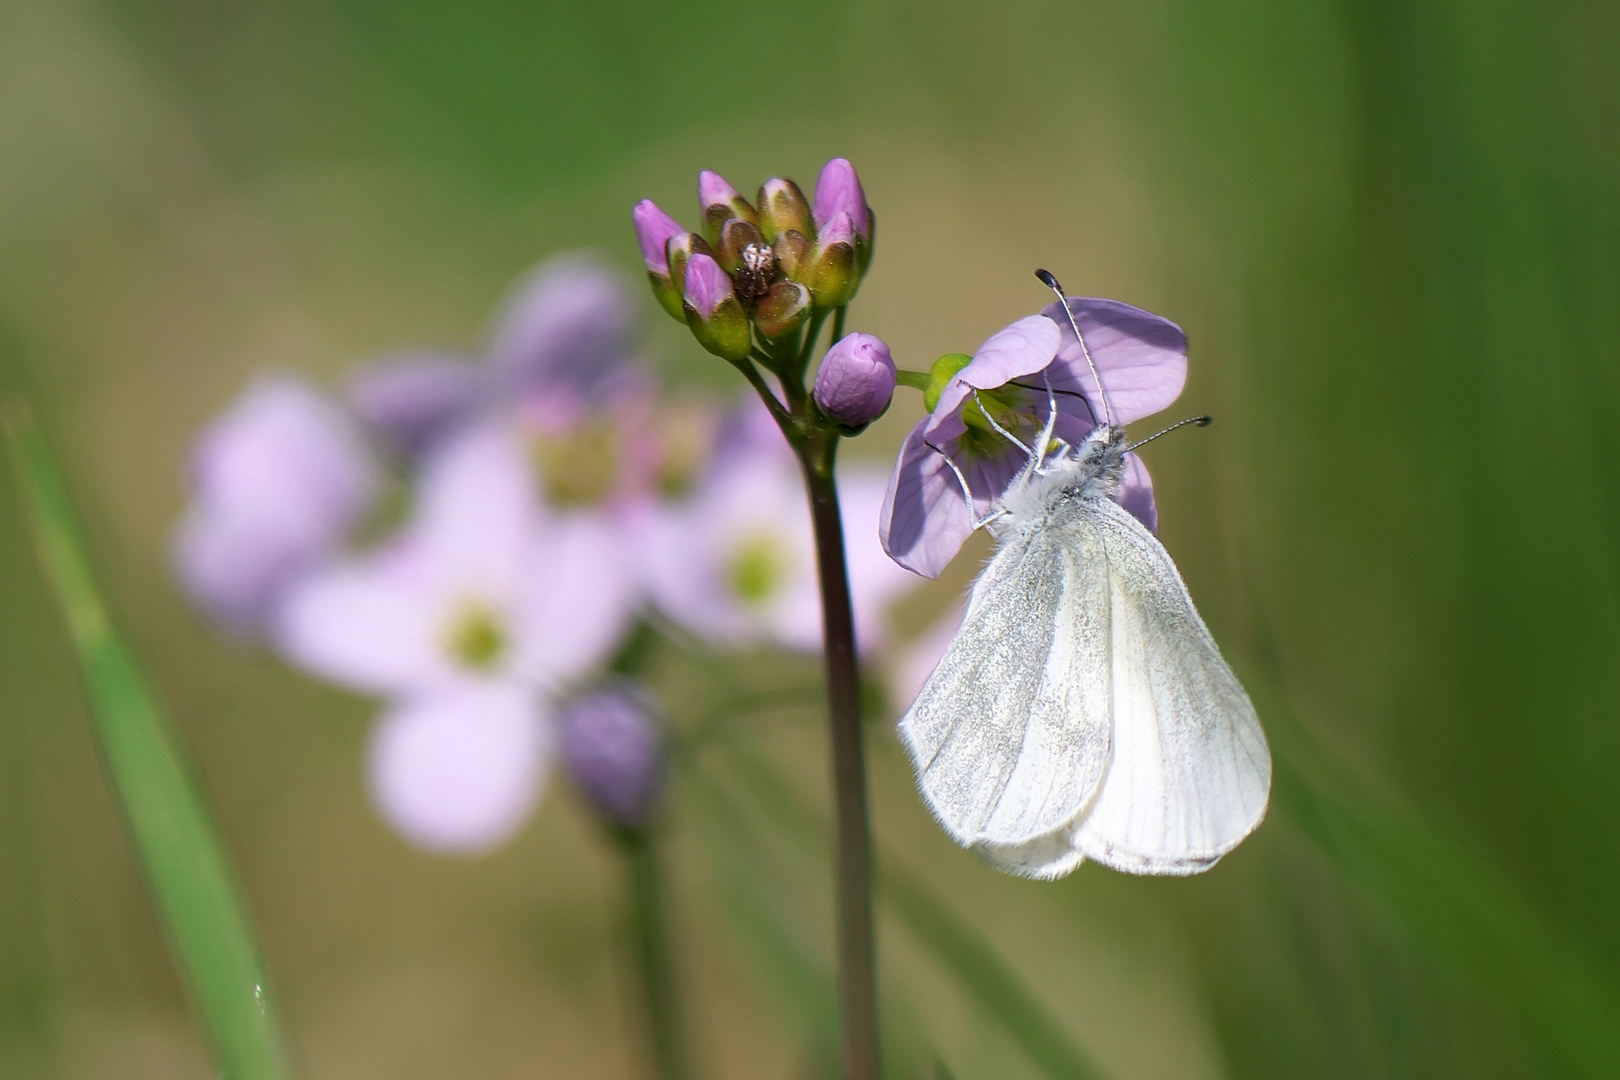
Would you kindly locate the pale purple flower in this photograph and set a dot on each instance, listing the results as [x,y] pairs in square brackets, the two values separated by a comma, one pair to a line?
[735,563]
[839,191]
[855,380]
[485,605]
[613,745]
[278,481]
[654,228]
[1142,359]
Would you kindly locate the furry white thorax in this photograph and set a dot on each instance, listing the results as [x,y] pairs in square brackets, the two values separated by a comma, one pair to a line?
[1092,470]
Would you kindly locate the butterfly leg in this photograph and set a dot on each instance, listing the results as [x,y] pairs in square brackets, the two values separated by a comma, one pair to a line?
[1003,432]
[967,493]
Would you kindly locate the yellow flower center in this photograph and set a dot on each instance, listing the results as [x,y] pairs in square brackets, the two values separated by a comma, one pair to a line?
[578,467]
[477,637]
[757,569]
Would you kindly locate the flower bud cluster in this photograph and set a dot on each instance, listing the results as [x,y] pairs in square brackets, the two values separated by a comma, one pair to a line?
[761,267]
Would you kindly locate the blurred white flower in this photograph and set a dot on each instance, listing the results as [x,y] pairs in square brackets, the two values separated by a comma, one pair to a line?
[278,481]
[735,562]
[483,608]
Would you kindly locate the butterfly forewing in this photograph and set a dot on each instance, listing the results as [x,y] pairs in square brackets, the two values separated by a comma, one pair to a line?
[1010,735]
[1191,772]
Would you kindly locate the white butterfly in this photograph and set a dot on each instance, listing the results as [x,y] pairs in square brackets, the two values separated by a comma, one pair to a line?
[1083,710]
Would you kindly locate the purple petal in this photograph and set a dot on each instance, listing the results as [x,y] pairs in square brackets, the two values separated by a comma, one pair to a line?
[1141,357]
[839,230]
[279,480]
[460,772]
[654,229]
[476,510]
[924,520]
[576,599]
[1136,493]
[839,191]
[569,325]
[372,627]
[412,400]
[706,285]
[1023,348]
[234,567]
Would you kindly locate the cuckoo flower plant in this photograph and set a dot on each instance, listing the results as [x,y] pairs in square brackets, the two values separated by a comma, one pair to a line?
[756,287]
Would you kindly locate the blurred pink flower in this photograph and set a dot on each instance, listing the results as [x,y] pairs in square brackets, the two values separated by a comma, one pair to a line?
[483,608]
[278,481]
[568,329]
[913,661]
[735,562]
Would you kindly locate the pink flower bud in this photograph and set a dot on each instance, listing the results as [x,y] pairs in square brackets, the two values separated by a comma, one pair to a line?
[838,191]
[856,380]
[721,202]
[653,229]
[713,311]
[833,274]
[707,286]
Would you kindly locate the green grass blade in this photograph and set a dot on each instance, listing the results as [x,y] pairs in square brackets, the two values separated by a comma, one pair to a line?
[993,985]
[1472,921]
[179,846]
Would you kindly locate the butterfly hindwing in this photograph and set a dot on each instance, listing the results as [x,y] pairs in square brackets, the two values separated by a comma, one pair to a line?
[1191,771]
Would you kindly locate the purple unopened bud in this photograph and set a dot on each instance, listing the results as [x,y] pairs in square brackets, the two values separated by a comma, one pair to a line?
[838,191]
[856,380]
[713,311]
[782,206]
[721,202]
[654,229]
[613,746]
[833,276]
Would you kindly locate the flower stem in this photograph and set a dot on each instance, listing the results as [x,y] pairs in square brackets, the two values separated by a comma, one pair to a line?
[852,860]
[652,954]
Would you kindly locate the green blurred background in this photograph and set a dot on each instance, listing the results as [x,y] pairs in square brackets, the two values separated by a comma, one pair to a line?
[1392,233]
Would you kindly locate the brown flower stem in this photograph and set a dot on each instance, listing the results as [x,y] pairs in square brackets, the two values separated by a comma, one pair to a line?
[852,859]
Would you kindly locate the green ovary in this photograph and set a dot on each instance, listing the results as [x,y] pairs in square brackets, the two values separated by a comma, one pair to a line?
[477,638]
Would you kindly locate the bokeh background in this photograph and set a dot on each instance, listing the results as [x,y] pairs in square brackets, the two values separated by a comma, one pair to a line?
[1392,233]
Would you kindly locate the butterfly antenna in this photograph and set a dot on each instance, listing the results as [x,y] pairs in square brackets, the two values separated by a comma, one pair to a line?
[1052,283]
[1195,421]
